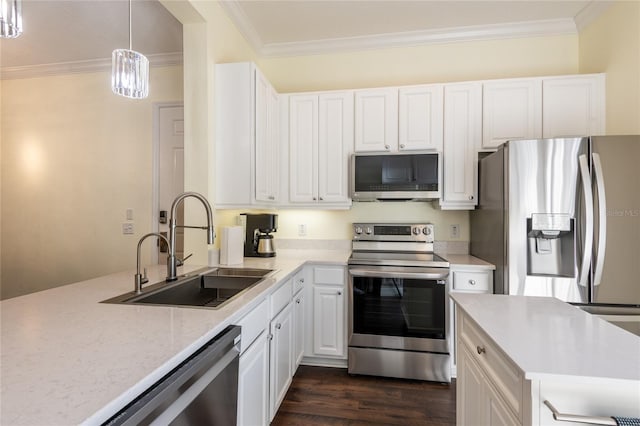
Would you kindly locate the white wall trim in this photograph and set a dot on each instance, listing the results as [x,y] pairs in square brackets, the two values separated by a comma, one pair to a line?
[242,22]
[592,11]
[76,67]
[415,38]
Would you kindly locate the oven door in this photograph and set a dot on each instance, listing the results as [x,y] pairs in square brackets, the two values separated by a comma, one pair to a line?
[403,308]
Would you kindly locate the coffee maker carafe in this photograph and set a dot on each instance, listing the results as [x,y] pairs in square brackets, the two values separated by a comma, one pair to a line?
[258,240]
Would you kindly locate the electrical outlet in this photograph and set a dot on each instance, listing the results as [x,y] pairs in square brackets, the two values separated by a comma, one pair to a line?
[127,228]
[454,231]
[302,230]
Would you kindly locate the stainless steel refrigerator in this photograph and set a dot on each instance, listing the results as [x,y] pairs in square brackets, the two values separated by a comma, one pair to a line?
[561,217]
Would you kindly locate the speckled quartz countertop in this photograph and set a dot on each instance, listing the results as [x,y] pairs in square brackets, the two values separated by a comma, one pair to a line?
[68,359]
[546,337]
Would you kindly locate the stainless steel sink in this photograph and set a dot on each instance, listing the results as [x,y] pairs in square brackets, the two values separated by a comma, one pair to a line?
[209,288]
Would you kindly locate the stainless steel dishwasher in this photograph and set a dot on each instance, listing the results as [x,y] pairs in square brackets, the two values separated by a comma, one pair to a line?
[202,390]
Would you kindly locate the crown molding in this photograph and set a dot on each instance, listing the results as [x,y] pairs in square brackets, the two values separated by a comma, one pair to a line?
[77,67]
[243,23]
[592,11]
[415,38]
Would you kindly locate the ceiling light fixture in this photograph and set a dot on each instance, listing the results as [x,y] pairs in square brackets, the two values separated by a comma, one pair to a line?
[10,18]
[129,71]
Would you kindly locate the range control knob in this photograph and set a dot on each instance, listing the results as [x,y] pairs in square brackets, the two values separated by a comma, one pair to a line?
[426,230]
[368,230]
[358,230]
[416,230]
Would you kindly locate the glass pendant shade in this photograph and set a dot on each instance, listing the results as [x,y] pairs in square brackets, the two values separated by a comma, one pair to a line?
[10,18]
[129,74]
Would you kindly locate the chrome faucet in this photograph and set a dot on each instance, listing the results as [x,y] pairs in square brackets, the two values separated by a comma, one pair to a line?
[172,261]
[141,279]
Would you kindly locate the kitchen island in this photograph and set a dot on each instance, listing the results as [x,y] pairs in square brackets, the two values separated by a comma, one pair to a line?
[69,359]
[517,352]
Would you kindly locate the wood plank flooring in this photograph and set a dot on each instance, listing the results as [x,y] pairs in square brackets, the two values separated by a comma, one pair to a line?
[329,396]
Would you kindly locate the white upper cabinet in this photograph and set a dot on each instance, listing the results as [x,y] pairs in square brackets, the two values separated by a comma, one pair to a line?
[266,145]
[573,106]
[420,117]
[462,131]
[511,109]
[246,164]
[376,119]
[320,143]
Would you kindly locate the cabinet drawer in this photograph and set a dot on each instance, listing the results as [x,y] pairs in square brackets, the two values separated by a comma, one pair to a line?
[500,370]
[298,281]
[280,298]
[333,275]
[253,324]
[471,281]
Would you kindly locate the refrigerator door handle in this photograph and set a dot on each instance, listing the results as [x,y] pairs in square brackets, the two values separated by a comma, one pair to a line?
[588,215]
[602,219]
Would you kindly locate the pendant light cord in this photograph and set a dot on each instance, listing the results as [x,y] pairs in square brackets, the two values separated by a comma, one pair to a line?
[130,42]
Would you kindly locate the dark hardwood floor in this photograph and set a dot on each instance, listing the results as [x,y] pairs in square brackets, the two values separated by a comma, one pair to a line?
[329,396]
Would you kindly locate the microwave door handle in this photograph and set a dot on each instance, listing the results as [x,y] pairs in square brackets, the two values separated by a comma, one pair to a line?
[588,215]
[602,219]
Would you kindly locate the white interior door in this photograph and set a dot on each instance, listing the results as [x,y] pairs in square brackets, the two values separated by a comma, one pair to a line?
[170,173]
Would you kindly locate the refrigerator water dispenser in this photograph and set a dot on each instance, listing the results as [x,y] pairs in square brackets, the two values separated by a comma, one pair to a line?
[551,245]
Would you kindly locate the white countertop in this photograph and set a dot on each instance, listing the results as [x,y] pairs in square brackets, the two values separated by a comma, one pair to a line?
[466,261]
[68,359]
[546,337]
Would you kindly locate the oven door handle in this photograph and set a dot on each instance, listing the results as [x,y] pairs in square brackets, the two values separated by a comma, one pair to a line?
[435,275]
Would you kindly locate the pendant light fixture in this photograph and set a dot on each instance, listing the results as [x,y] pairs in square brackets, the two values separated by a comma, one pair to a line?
[129,71]
[10,18]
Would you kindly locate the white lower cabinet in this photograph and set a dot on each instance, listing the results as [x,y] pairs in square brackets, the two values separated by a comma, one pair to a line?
[280,357]
[329,312]
[299,323]
[253,384]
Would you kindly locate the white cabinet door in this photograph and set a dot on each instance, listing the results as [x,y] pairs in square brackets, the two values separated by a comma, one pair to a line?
[303,145]
[470,400]
[462,131]
[328,321]
[299,327]
[253,384]
[280,357]
[266,144]
[335,145]
[573,106]
[496,411]
[376,119]
[420,117]
[511,109]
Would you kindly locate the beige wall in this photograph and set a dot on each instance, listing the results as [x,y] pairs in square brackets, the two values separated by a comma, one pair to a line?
[74,158]
[611,44]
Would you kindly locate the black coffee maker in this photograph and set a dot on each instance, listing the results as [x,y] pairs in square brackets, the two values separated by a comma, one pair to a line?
[258,240]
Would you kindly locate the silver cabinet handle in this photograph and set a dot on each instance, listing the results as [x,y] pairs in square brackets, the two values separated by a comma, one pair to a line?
[481,350]
[278,326]
[561,417]
[588,215]
[472,282]
[602,219]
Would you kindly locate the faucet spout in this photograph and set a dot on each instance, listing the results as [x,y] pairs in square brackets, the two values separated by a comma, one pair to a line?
[172,261]
[139,278]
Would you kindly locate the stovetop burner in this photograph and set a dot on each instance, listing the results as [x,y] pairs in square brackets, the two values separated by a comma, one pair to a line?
[386,258]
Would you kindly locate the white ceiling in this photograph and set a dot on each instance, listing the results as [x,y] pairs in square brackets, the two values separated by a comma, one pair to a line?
[64,31]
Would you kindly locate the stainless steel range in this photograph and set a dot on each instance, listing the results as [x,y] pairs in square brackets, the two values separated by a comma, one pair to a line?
[398,303]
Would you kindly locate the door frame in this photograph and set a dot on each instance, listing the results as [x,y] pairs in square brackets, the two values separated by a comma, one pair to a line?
[155,169]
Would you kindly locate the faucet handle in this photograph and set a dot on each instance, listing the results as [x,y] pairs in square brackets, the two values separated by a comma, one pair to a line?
[180,262]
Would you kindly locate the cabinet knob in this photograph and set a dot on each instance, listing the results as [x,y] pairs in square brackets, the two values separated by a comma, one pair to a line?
[298,301]
[271,197]
[321,199]
[339,293]
[270,336]
[480,350]
[402,145]
[301,280]
[471,197]
[387,147]
[314,198]
[279,326]
[472,282]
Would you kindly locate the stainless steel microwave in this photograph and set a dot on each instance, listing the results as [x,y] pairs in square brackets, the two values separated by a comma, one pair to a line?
[395,176]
